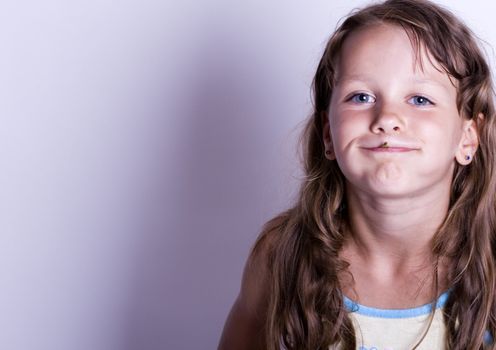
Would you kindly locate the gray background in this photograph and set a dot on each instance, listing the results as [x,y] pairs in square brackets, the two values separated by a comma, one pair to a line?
[142,147]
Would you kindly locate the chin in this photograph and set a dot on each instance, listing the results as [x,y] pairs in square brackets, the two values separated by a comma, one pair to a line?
[392,189]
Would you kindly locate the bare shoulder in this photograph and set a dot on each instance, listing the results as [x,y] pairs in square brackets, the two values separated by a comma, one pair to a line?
[244,328]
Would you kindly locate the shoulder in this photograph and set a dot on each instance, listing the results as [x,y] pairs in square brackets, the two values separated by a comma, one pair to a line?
[245,326]
[259,269]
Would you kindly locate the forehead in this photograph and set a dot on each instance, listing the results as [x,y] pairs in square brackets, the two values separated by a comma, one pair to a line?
[387,50]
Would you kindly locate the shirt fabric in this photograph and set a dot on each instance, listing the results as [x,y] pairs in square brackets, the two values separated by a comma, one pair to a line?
[398,329]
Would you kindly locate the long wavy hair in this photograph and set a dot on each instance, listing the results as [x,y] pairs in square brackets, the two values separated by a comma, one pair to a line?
[302,245]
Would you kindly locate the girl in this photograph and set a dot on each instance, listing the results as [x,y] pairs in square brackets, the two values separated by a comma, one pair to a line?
[391,244]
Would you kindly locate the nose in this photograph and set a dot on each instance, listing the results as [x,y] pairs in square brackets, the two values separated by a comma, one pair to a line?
[387,122]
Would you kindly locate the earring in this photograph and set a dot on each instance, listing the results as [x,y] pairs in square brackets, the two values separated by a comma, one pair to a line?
[328,152]
[467,157]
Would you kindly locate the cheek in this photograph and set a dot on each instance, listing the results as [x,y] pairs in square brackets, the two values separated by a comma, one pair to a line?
[442,136]
[347,126]
[342,132]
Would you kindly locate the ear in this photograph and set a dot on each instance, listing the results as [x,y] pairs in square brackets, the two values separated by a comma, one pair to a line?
[329,150]
[469,141]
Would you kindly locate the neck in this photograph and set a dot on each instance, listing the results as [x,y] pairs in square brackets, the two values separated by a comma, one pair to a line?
[395,228]
[390,243]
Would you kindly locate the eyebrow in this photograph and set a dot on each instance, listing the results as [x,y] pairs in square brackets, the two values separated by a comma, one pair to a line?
[365,79]
[425,81]
[352,78]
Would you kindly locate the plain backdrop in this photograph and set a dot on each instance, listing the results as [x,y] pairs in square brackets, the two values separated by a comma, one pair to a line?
[143,144]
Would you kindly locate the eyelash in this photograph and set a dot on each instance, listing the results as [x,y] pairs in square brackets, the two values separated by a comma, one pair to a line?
[428,102]
[354,98]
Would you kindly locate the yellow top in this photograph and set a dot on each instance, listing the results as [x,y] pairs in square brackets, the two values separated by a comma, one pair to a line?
[391,329]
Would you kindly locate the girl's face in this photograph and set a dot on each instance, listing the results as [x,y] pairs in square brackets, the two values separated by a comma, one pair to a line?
[393,126]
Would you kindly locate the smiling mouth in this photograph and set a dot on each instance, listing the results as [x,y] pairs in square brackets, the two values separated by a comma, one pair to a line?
[390,145]
[388,148]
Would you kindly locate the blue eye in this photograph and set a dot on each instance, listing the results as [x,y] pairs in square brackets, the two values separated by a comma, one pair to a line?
[362,98]
[420,101]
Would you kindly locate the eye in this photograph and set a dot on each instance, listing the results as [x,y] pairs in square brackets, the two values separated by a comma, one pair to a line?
[362,98]
[420,101]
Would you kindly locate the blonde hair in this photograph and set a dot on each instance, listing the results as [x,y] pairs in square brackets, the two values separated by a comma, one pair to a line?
[306,308]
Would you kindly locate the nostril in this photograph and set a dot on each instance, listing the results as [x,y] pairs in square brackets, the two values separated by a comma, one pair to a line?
[396,128]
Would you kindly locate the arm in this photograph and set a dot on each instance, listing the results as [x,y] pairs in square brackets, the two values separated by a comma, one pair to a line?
[244,328]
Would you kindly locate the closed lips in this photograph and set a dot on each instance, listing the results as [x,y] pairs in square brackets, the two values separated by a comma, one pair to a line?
[390,149]
[390,144]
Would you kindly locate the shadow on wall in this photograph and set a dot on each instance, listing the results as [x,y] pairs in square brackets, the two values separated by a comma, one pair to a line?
[204,220]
